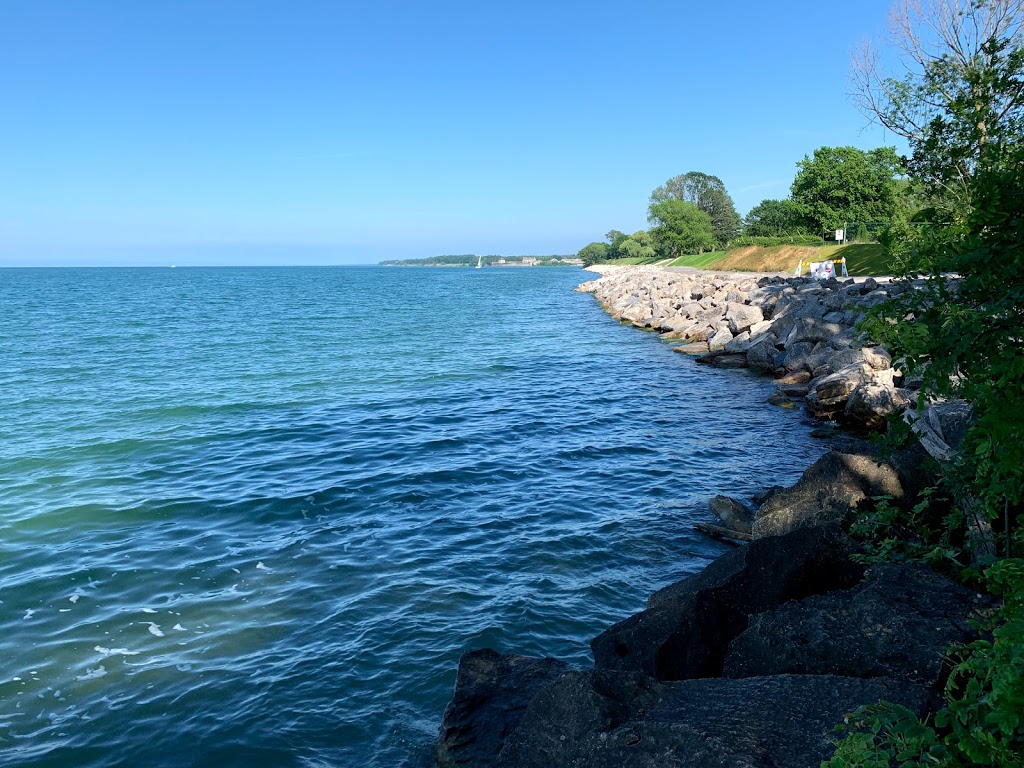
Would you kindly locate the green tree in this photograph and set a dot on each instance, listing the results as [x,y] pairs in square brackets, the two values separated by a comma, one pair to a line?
[615,239]
[953,90]
[593,253]
[680,228]
[844,184]
[639,245]
[773,218]
[707,193]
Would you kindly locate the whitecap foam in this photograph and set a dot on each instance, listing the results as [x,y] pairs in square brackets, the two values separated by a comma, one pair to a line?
[115,651]
[93,673]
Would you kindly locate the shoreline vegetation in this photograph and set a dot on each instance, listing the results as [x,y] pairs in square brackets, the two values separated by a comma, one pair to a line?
[872,614]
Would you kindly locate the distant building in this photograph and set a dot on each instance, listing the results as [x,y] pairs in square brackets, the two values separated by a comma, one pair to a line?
[530,261]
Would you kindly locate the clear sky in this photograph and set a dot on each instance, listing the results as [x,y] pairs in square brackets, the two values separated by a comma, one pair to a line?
[348,131]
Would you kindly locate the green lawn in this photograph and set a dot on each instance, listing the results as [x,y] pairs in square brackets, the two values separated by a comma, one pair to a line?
[699,260]
[865,259]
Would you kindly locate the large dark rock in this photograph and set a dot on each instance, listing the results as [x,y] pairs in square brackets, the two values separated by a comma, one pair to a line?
[492,691]
[796,357]
[622,720]
[898,622]
[686,628]
[761,353]
[834,486]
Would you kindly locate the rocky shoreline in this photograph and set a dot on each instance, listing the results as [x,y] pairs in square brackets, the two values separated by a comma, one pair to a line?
[753,661]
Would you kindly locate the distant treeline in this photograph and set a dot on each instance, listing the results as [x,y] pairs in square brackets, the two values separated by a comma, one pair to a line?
[470,260]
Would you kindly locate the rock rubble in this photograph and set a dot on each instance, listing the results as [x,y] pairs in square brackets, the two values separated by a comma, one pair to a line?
[799,330]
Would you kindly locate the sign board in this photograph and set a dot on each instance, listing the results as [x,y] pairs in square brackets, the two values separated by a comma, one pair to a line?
[822,270]
[839,234]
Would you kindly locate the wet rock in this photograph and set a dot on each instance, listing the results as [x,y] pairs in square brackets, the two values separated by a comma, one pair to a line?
[694,348]
[782,400]
[729,361]
[761,353]
[794,390]
[492,691]
[686,628]
[732,513]
[794,377]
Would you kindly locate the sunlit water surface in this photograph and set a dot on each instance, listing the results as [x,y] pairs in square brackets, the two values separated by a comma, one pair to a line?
[252,517]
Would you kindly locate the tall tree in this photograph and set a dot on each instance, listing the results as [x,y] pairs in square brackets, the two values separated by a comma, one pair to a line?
[956,87]
[681,228]
[707,193]
[844,184]
[615,239]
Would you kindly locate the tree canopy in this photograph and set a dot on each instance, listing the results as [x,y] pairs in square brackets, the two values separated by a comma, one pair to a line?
[680,228]
[709,195]
[956,89]
[774,218]
[845,184]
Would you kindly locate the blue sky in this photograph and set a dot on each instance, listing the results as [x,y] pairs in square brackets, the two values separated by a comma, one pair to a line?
[266,131]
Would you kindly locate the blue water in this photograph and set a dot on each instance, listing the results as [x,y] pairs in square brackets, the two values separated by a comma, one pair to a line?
[252,517]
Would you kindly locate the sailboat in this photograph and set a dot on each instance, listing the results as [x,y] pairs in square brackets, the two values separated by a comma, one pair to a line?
[479,261]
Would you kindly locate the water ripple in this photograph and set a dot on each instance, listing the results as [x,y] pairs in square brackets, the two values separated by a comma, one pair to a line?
[254,516]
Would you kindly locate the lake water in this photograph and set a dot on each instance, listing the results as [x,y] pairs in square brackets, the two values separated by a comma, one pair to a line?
[253,517]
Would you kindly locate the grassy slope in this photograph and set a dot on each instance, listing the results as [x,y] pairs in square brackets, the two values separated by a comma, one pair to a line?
[861,259]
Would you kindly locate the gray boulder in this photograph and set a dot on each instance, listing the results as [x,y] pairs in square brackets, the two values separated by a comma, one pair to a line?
[871,404]
[795,358]
[742,316]
[720,338]
[813,329]
[828,395]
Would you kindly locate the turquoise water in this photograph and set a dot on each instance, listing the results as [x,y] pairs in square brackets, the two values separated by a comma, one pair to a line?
[253,516]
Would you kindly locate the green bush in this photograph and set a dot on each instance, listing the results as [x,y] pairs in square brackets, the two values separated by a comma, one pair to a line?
[770,242]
